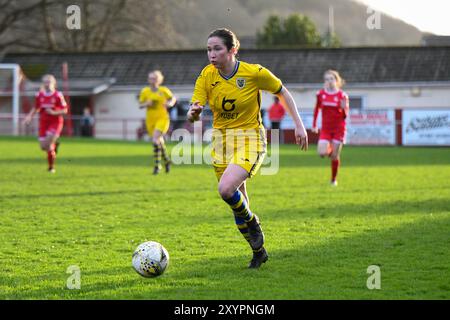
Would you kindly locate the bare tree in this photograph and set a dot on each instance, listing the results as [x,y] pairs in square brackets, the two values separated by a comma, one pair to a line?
[40,25]
[12,14]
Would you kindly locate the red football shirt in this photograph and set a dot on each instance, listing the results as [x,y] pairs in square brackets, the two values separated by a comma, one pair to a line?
[50,100]
[334,107]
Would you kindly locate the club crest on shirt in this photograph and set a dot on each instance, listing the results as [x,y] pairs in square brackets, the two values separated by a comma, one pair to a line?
[240,82]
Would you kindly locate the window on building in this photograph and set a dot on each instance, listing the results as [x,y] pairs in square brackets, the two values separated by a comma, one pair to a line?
[356,103]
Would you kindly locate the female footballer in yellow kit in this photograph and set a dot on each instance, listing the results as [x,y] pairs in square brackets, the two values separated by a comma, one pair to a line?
[232,89]
[156,99]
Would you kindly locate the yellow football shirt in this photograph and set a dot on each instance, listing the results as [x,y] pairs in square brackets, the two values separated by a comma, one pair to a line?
[235,101]
[159,98]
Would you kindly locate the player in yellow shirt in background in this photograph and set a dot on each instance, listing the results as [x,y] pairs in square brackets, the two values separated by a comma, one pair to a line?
[157,99]
[232,89]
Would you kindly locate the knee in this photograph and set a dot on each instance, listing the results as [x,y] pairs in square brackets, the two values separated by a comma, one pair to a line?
[226,191]
[334,157]
[323,153]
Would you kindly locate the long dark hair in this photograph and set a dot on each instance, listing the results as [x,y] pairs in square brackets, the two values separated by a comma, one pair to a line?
[229,38]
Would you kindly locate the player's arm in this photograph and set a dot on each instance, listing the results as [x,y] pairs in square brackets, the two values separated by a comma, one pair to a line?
[266,80]
[288,102]
[146,104]
[345,105]
[143,101]
[171,100]
[58,112]
[316,113]
[36,108]
[170,103]
[60,108]
[198,99]
[29,116]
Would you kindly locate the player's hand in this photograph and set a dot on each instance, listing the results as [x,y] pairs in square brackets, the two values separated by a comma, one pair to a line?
[301,137]
[315,130]
[195,111]
[147,104]
[27,120]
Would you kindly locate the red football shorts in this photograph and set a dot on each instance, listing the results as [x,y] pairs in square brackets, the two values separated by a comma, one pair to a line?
[333,136]
[50,128]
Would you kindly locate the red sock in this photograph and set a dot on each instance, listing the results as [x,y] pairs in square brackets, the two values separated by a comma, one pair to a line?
[334,169]
[51,156]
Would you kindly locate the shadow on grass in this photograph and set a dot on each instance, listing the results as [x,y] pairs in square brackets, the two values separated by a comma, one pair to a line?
[394,207]
[413,258]
[291,156]
[102,161]
[92,193]
[286,160]
[368,157]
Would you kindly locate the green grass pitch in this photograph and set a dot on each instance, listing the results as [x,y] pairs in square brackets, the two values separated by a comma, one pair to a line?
[391,209]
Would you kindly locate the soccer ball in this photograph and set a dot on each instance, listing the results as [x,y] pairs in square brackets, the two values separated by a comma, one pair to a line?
[150,259]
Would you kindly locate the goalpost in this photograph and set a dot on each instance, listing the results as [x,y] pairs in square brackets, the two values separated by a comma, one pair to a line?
[10,87]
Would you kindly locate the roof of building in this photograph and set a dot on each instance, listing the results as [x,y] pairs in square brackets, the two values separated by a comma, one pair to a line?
[434,40]
[299,66]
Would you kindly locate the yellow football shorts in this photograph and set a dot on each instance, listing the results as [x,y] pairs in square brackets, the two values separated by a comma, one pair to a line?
[161,124]
[245,148]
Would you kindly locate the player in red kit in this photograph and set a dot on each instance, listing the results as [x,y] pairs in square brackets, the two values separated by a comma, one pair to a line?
[333,102]
[276,113]
[51,106]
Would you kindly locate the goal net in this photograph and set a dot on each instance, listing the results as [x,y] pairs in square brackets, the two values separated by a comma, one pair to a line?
[10,78]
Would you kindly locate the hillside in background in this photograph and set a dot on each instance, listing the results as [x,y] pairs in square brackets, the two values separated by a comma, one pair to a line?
[140,25]
[193,19]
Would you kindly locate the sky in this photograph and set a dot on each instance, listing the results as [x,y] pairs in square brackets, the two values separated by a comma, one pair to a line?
[426,15]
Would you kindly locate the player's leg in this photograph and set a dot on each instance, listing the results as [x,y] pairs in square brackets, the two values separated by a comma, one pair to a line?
[162,125]
[243,189]
[230,182]
[43,143]
[150,125]
[157,150]
[240,223]
[160,128]
[324,148]
[260,255]
[165,154]
[335,160]
[49,145]
[248,223]
[57,143]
